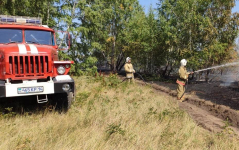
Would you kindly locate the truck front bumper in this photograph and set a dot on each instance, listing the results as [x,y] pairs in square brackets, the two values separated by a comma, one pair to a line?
[50,87]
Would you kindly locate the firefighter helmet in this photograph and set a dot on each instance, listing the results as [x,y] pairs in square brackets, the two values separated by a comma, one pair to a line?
[183,62]
[127,59]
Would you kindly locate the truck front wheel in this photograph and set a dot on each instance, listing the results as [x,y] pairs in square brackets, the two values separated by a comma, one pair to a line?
[64,101]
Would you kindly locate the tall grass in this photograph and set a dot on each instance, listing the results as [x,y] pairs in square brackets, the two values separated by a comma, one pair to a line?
[108,114]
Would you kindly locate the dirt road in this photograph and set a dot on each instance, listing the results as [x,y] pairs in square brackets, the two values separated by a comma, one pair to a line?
[212,106]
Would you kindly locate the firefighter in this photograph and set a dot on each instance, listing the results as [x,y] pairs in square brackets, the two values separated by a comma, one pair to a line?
[182,79]
[128,67]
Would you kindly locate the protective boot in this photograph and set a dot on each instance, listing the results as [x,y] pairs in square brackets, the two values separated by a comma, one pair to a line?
[182,99]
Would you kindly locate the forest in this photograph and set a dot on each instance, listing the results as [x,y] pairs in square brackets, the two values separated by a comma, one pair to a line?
[108,113]
[105,32]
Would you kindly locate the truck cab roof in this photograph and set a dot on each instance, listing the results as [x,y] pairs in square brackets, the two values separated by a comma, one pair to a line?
[22,22]
[23,26]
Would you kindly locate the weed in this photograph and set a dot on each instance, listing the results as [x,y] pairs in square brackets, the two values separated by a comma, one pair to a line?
[113,80]
[98,77]
[130,91]
[227,123]
[91,105]
[124,86]
[210,142]
[151,91]
[141,91]
[82,97]
[152,111]
[168,113]
[104,100]
[229,131]
[99,89]
[22,143]
[114,129]
[226,127]
[9,112]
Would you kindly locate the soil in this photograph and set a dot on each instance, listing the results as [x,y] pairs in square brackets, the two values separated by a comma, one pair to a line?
[212,106]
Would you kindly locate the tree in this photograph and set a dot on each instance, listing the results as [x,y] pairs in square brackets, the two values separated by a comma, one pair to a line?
[44,9]
[103,26]
[201,31]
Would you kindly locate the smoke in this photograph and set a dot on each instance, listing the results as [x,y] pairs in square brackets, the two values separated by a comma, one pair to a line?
[228,73]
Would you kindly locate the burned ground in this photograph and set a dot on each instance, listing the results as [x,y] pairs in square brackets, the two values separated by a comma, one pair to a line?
[214,92]
[212,105]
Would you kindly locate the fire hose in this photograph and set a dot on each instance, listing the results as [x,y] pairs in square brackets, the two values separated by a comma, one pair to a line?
[138,75]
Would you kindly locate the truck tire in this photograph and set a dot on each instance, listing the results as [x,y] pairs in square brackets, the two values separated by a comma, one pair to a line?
[68,101]
[64,101]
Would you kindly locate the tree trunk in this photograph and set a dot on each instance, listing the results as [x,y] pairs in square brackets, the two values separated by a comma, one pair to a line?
[113,66]
[165,70]
[119,64]
[171,69]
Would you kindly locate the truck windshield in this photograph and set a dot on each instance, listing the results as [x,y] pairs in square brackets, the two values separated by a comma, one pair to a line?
[39,37]
[10,36]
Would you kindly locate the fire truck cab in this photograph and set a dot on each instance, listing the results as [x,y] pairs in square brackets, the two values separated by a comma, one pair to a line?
[29,65]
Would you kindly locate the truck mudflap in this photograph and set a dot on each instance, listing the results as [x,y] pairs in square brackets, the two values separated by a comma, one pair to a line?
[59,84]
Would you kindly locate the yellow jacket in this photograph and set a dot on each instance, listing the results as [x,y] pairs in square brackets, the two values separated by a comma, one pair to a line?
[128,67]
[183,74]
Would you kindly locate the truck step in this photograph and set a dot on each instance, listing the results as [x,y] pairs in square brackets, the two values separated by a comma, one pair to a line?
[42,98]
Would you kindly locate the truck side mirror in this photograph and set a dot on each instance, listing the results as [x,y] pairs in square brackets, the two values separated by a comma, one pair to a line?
[68,39]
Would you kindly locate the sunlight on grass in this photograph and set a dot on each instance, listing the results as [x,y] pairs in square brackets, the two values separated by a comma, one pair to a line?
[108,114]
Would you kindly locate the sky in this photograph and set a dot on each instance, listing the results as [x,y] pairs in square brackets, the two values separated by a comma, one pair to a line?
[146,4]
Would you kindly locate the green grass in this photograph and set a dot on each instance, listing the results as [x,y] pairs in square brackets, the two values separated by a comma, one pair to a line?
[108,114]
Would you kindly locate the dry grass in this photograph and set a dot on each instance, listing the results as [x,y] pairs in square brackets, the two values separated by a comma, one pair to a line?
[110,116]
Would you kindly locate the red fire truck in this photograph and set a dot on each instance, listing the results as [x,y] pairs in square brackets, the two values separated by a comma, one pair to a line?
[29,65]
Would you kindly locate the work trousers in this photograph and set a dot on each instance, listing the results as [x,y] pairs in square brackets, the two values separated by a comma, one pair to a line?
[131,79]
[180,90]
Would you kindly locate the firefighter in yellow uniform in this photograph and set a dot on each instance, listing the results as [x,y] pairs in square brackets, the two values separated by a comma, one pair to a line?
[182,79]
[128,67]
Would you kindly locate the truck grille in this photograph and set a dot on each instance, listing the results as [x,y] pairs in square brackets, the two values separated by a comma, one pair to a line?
[22,66]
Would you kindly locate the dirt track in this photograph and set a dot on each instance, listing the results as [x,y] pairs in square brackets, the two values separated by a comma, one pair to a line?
[213,107]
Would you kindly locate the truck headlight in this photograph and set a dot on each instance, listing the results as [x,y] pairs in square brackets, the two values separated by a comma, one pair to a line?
[66,87]
[61,69]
